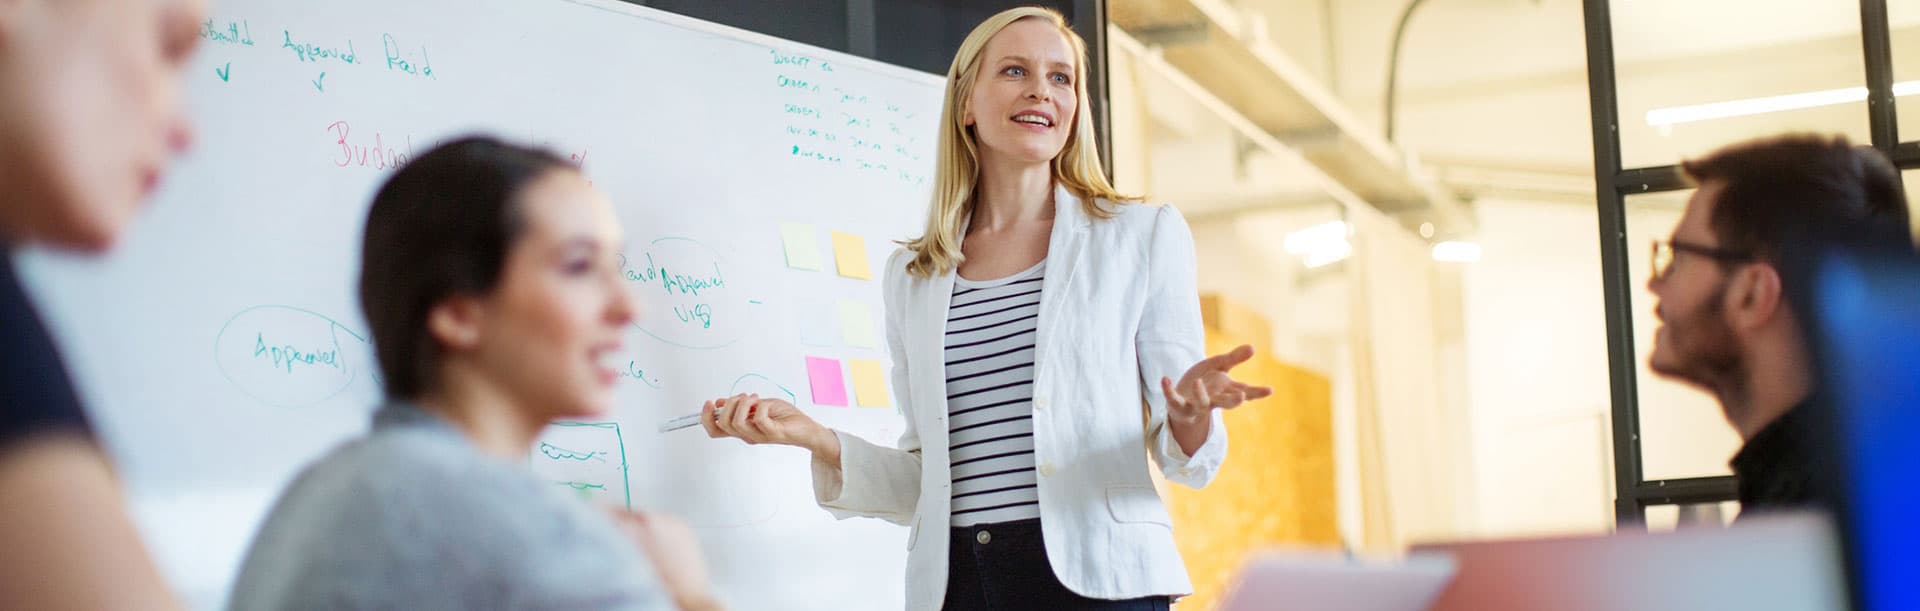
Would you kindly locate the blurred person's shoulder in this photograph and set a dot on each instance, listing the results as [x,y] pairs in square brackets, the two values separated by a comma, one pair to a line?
[415,514]
[36,395]
[410,467]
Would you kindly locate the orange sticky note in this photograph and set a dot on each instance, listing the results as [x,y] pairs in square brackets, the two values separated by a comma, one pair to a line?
[869,383]
[850,254]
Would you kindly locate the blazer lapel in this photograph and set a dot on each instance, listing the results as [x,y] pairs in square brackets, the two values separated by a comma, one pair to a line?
[933,303]
[1064,250]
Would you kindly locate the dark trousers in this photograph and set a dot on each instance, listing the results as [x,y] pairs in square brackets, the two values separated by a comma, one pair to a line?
[1003,567]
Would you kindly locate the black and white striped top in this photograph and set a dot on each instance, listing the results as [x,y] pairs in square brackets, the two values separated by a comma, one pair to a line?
[991,328]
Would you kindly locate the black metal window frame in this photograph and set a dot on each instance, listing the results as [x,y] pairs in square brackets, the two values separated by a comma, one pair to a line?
[1632,493]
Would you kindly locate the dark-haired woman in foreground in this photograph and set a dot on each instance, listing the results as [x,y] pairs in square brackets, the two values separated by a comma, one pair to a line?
[490,280]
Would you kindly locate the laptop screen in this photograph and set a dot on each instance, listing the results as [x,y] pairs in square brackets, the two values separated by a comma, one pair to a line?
[1866,332]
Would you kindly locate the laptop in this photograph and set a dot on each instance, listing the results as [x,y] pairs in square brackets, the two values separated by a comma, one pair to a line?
[1313,581]
[1785,562]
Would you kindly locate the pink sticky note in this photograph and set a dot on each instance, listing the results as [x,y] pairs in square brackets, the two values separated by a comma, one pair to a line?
[829,387]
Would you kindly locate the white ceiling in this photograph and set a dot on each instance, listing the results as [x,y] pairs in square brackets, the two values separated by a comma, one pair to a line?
[1501,84]
[1451,44]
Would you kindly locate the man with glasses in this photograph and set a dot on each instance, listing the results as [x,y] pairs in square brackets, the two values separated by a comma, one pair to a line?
[1726,323]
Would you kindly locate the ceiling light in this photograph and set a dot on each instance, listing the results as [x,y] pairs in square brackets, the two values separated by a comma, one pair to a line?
[1675,115]
[1321,244]
[1456,252]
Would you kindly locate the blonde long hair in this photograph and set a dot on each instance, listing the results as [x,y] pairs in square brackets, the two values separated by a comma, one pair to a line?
[957,170]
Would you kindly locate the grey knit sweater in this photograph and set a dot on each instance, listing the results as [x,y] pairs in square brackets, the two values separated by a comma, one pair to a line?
[414,516]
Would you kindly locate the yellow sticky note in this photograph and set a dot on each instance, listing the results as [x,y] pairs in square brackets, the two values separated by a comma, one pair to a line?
[869,384]
[850,251]
[803,251]
[856,325]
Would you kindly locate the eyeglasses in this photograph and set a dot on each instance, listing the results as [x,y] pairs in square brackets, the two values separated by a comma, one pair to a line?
[1663,255]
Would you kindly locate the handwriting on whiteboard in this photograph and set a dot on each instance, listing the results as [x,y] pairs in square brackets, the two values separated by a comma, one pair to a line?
[324,52]
[229,33]
[687,280]
[288,356]
[377,153]
[311,52]
[833,122]
[404,60]
[351,149]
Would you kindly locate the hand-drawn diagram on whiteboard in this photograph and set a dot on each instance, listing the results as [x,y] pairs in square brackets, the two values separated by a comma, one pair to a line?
[754,383]
[587,458]
[684,286]
[287,356]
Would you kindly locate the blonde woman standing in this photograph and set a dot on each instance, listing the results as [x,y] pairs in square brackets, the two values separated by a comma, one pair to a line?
[1029,324]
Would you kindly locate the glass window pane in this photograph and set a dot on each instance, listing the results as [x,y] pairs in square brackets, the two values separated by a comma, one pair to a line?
[1536,367]
[1903,18]
[1682,431]
[1912,180]
[1667,518]
[1690,79]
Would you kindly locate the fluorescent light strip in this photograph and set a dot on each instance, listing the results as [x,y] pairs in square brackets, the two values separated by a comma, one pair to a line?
[1321,245]
[1330,255]
[1328,236]
[1456,252]
[1755,106]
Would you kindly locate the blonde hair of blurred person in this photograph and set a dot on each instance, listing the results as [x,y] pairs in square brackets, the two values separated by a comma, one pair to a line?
[89,119]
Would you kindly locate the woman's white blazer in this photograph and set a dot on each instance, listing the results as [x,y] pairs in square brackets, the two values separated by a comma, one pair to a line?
[1118,310]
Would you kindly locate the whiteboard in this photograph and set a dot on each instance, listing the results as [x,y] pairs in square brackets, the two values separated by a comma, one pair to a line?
[221,347]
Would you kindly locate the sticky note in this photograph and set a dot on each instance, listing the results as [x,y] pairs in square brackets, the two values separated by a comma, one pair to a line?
[869,384]
[850,253]
[819,325]
[803,251]
[829,387]
[856,325]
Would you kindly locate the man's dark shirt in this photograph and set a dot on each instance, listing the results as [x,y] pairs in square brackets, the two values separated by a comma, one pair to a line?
[1776,467]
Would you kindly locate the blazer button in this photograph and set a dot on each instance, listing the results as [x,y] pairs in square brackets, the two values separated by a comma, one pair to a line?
[984,538]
